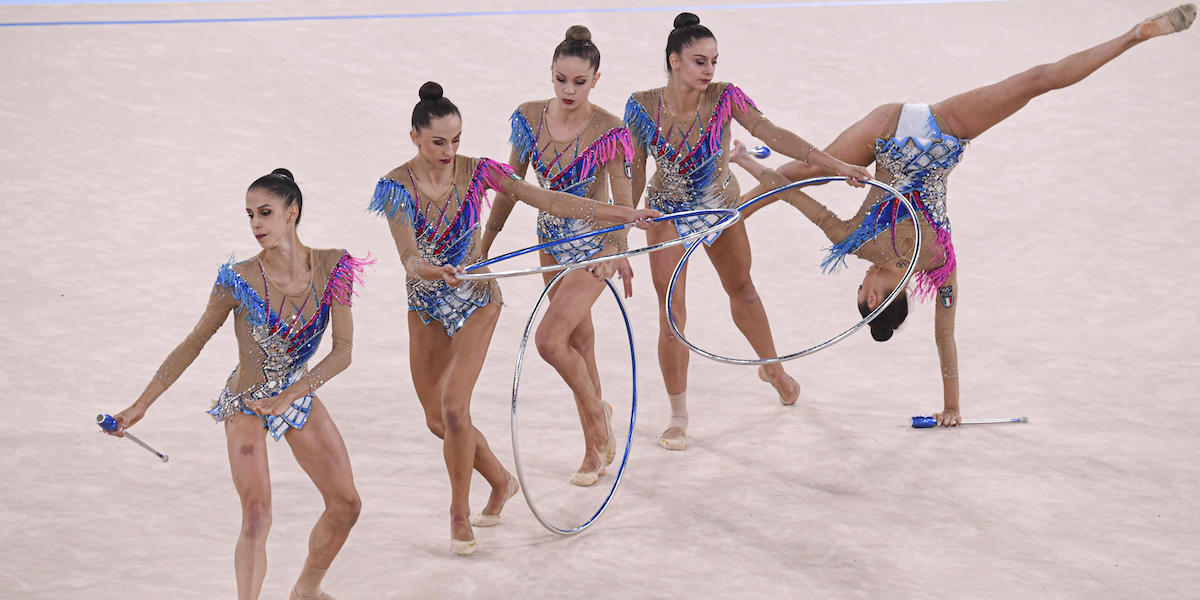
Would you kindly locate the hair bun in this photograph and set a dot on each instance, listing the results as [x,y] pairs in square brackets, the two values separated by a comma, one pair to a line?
[282,172]
[881,333]
[578,33]
[686,19]
[430,92]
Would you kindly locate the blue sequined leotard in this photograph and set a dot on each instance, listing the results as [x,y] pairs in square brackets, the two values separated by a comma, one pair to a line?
[274,348]
[442,232]
[690,175]
[919,157]
[611,141]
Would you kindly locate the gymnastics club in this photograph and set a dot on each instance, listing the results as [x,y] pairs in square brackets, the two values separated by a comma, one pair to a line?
[107,423]
[926,422]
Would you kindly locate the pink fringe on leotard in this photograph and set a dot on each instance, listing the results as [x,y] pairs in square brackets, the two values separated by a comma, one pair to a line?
[929,281]
[605,149]
[347,272]
[724,112]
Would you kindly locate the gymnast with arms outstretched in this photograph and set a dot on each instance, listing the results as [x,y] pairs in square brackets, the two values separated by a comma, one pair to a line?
[915,147]
[579,148]
[684,127]
[283,299]
[433,204]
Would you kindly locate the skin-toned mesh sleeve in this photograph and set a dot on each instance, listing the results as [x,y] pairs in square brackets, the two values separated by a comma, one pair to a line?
[343,267]
[220,303]
[503,204]
[555,203]
[833,227]
[779,139]
[618,171]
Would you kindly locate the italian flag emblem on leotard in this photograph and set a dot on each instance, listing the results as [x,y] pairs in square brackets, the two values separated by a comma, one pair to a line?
[946,293]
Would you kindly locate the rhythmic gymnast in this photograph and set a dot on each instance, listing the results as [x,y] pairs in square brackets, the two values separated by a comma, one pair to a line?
[684,126]
[433,203]
[578,148]
[286,296]
[915,147]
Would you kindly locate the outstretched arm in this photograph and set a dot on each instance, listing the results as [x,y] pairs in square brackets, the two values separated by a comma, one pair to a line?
[943,335]
[219,304]
[787,143]
[834,228]
[502,206]
[568,206]
[855,145]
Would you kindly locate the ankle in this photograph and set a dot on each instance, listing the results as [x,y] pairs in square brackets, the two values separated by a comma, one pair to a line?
[309,582]
[679,413]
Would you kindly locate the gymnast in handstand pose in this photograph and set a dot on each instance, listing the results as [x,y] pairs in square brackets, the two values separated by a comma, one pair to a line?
[433,203]
[579,148]
[684,127]
[915,147]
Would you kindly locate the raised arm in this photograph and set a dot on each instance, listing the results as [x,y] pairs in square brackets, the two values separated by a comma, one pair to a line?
[943,335]
[502,205]
[220,302]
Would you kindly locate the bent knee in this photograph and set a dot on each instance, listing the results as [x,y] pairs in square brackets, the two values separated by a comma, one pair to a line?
[435,425]
[346,509]
[456,420]
[744,292]
[582,341]
[550,347]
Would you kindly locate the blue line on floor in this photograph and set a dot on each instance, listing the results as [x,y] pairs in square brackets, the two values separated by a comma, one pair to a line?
[494,13]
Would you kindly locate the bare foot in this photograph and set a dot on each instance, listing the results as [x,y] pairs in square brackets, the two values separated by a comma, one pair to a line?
[319,596]
[785,386]
[787,389]
[1175,20]
[490,517]
[500,496]
[460,529]
[590,471]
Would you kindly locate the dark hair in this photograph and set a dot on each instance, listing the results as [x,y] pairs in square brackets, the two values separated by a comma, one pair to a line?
[432,105]
[281,183]
[578,43]
[889,320]
[687,30]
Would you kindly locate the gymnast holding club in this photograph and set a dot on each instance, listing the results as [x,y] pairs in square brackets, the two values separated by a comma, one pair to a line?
[915,147]
[284,298]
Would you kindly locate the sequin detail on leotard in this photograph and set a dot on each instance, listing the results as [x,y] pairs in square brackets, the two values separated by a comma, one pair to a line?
[444,242]
[919,158]
[689,175]
[286,344]
[576,178]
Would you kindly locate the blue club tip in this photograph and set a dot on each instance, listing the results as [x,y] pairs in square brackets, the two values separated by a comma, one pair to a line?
[106,422]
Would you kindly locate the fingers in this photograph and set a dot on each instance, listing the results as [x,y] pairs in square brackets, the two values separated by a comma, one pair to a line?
[449,275]
[626,274]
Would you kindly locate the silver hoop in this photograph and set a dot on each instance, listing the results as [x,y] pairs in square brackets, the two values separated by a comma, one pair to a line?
[912,266]
[516,386]
[729,216]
